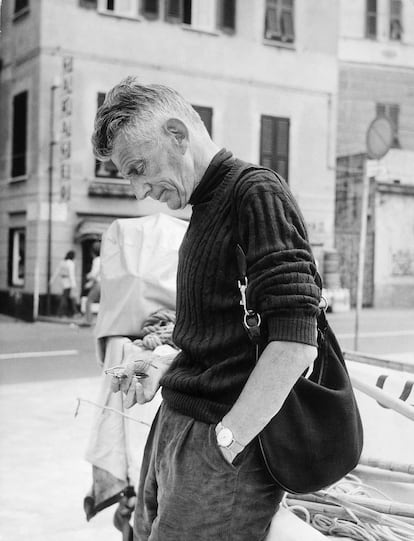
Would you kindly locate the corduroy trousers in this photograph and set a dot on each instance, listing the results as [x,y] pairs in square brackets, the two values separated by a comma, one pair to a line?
[189,492]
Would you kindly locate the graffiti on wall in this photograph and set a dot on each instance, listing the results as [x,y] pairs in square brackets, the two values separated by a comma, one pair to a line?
[403,263]
[66,128]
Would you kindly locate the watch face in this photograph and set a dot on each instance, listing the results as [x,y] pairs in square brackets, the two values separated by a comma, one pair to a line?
[225,437]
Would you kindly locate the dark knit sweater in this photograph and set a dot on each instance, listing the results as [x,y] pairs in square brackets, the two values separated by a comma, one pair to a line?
[216,356]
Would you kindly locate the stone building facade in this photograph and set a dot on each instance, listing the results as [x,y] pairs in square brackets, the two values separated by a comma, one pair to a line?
[263,76]
[376,78]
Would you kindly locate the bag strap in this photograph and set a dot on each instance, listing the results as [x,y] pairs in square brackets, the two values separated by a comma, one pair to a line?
[251,319]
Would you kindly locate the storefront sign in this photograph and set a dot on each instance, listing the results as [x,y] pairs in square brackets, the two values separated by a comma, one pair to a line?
[65,147]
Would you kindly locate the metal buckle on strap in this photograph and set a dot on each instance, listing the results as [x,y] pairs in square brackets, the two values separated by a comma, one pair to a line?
[323,303]
[251,320]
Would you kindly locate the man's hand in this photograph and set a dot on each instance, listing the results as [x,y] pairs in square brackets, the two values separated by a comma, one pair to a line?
[140,378]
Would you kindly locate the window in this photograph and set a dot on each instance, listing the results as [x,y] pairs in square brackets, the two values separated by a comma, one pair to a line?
[202,14]
[179,11]
[227,15]
[105,169]
[124,8]
[206,115]
[392,112]
[279,21]
[17,256]
[21,6]
[274,144]
[90,4]
[395,20]
[150,8]
[371,19]
[19,136]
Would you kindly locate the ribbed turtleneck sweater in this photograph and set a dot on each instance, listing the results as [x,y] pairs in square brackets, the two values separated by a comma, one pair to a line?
[216,356]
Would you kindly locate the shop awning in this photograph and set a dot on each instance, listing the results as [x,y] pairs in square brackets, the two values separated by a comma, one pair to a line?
[92,228]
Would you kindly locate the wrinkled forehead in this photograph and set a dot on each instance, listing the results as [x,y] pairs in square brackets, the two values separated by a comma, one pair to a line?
[130,146]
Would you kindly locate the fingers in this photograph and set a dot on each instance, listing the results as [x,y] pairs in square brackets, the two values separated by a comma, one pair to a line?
[126,381]
[140,393]
[130,398]
[115,384]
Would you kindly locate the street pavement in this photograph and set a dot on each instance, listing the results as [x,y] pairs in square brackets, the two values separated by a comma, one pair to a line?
[44,368]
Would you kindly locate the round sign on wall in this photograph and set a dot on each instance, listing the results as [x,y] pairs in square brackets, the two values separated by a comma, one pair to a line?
[380,136]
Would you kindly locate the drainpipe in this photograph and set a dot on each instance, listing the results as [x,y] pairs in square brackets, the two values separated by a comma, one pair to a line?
[52,143]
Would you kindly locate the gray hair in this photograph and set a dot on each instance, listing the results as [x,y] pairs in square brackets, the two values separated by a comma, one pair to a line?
[130,103]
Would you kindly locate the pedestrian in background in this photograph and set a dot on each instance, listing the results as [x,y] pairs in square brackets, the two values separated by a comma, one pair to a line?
[93,284]
[203,476]
[66,272]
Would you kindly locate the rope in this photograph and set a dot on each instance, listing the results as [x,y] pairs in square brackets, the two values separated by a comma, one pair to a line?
[157,330]
[356,527]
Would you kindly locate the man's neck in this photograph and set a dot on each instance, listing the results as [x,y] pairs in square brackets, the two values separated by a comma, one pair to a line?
[202,159]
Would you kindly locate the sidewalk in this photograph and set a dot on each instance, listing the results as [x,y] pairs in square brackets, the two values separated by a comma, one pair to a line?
[43,475]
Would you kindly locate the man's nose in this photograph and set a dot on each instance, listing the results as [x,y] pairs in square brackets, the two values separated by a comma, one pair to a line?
[141,191]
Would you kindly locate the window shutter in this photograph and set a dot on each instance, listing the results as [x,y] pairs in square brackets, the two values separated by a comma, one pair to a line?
[150,7]
[266,157]
[371,19]
[20,5]
[275,144]
[188,12]
[287,26]
[228,15]
[396,20]
[380,109]
[90,4]
[19,138]
[282,147]
[394,115]
[206,115]
[173,10]
[392,112]
[272,26]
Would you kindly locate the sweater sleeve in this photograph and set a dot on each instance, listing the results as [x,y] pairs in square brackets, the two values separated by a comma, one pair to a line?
[280,265]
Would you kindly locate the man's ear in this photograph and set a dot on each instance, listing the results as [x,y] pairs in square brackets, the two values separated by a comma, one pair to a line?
[179,131]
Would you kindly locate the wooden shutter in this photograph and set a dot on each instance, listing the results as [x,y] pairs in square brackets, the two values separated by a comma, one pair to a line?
[274,151]
[266,154]
[150,7]
[392,112]
[20,5]
[396,20]
[174,10]
[90,4]
[371,19]
[272,20]
[282,147]
[286,21]
[206,114]
[19,138]
[228,15]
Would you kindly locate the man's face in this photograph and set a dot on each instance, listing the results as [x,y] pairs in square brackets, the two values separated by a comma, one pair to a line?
[157,169]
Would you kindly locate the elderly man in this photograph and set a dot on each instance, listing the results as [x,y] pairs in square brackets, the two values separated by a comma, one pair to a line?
[203,476]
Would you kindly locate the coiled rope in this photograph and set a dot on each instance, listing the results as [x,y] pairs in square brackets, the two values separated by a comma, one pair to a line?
[352,520]
[157,330]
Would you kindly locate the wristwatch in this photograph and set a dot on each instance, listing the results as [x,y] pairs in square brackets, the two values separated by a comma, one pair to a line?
[226,439]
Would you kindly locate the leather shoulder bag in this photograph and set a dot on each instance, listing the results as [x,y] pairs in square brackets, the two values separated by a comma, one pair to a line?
[316,437]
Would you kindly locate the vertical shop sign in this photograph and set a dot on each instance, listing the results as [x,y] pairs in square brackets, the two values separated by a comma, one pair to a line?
[66,110]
